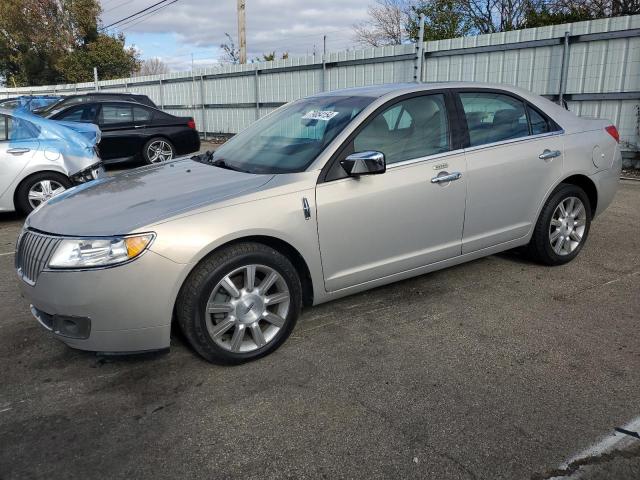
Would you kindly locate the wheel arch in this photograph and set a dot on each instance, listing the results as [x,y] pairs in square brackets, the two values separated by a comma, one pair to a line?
[281,246]
[589,187]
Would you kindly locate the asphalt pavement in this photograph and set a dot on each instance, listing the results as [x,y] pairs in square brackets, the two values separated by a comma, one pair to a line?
[496,369]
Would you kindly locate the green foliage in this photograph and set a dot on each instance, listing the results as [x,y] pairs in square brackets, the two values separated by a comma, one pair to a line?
[443,19]
[543,15]
[54,41]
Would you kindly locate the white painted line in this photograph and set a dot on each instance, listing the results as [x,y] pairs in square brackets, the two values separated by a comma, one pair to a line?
[8,253]
[615,440]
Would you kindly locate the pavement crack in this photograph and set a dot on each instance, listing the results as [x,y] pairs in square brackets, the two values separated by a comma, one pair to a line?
[591,460]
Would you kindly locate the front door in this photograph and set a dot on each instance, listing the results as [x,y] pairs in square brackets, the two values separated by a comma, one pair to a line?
[374,226]
[506,178]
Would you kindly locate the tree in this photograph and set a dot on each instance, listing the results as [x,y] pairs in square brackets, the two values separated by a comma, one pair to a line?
[385,25]
[442,19]
[271,56]
[152,66]
[230,54]
[107,53]
[52,41]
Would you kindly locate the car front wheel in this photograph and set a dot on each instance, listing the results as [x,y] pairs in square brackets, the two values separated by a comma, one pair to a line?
[562,227]
[240,303]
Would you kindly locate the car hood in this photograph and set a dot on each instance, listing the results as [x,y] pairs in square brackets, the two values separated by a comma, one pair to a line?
[131,200]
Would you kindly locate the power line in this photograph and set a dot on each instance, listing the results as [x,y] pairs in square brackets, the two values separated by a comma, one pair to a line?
[117,6]
[143,18]
[137,13]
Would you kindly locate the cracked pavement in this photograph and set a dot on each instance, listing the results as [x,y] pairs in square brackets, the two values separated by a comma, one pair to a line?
[496,369]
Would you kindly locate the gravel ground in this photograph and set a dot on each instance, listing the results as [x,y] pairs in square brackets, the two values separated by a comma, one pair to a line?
[496,369]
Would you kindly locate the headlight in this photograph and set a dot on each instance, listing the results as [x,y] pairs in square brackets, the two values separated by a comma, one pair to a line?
[99,252]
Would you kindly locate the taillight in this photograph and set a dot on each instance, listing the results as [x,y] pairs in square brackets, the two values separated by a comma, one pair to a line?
[191,123]
[613,131]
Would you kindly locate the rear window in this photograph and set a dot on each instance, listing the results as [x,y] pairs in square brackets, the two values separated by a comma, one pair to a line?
[111,114]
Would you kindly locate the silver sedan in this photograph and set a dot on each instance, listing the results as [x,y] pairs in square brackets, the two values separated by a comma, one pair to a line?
[41,158]
[327,196]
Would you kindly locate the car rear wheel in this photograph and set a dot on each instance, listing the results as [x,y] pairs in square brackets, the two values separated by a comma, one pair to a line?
[563,226]
[240,303]
[39,188]
[158,150]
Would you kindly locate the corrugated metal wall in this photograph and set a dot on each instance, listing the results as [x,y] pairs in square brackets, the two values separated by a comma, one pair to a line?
[602,75]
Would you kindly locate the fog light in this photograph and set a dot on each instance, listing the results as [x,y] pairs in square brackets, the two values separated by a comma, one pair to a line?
[72,327]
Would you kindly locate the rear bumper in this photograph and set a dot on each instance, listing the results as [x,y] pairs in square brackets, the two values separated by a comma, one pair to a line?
[188,142]
[126,308]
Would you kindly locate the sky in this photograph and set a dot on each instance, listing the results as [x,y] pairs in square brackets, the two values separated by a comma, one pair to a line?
[198,27]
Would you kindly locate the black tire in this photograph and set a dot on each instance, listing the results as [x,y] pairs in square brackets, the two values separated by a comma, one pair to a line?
[540,248]
[194,296]
[22,203]
[145,150]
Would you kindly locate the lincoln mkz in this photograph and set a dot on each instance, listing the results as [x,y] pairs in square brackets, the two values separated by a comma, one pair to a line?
[325,197]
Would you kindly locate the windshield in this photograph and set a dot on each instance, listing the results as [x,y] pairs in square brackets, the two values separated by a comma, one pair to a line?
[291,138]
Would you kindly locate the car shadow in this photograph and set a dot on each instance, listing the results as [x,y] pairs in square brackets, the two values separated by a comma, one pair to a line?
[11,217]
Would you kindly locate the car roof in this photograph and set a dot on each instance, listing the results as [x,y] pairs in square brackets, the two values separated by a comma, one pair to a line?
[381,90]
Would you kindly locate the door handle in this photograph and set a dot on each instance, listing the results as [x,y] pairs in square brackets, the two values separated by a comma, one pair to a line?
[449,177]
[549,154]
[18,151]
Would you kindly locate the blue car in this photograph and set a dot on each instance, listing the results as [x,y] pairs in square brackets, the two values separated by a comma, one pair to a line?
[29,102]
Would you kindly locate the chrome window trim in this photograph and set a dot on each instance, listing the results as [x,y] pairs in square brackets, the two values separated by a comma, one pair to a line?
[514,140]
[425,159]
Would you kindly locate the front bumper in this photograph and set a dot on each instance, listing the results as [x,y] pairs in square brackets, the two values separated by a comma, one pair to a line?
[126,308]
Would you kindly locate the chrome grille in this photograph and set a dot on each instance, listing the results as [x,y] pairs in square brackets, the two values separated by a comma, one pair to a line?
[33,253]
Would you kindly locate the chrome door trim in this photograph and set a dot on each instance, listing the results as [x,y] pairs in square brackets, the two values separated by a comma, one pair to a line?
[425,159]
[514,140]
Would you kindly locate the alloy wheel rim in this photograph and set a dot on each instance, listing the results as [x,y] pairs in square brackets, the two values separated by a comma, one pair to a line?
[247,308]
[43,190]
[568,224]
[159,151]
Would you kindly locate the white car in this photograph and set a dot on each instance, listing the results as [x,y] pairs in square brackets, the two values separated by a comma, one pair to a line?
[41,158]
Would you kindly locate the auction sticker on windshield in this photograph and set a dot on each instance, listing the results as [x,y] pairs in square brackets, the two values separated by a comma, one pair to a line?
[319,115]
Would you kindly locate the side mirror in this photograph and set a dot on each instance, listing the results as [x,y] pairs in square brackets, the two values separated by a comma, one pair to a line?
[364,163]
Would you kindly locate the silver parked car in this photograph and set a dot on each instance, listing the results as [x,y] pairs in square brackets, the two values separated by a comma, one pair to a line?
[327,196]
[41,158]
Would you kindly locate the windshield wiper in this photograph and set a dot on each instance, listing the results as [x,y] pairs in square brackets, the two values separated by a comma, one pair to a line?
[222,164]
[207,157]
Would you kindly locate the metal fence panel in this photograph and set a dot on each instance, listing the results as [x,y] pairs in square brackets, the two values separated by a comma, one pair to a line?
[602,75]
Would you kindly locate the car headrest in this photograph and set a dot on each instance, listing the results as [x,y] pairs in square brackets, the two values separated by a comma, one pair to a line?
[506,116]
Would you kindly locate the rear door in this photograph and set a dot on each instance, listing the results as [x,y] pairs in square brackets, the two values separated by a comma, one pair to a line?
[18,144]
[506,178]
[120,138]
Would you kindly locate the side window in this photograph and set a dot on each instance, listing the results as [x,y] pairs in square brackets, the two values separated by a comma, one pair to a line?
[3,128]
[493,117]
[412,128]
[18,129]
[539,124]
[112,114]
[141,114]
[81,113]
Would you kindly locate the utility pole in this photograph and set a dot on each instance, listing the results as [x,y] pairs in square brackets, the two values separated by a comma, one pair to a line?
[417,76]
[242,33]
[95,78]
